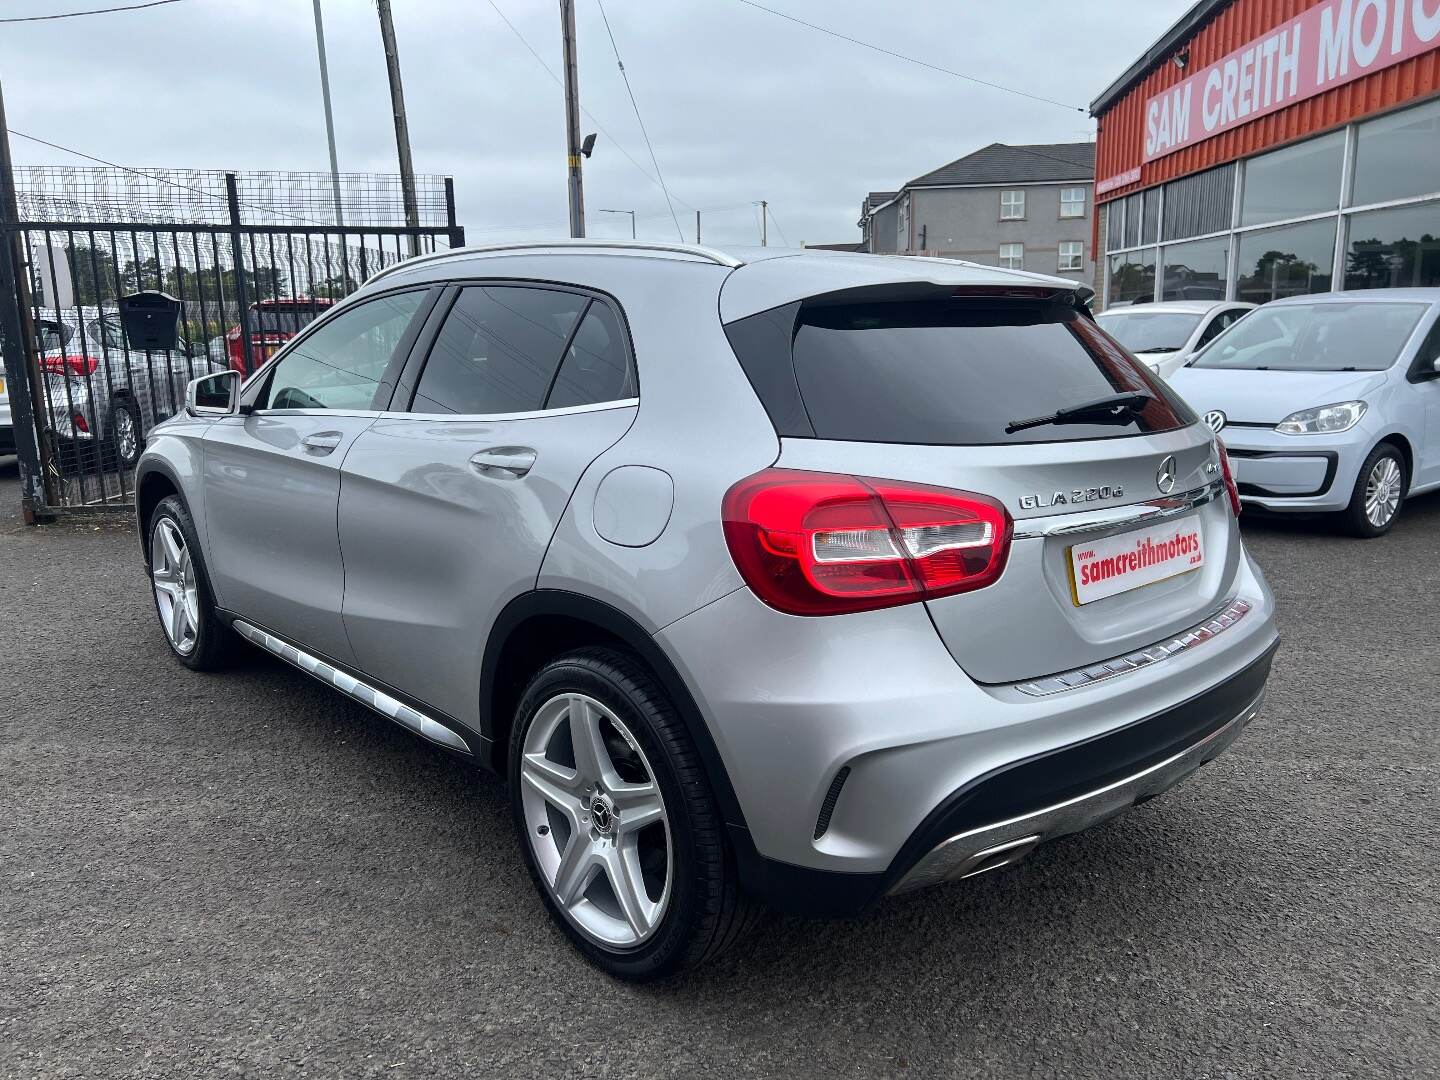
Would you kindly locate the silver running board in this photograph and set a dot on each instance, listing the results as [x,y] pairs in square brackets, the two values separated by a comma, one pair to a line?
[354,689]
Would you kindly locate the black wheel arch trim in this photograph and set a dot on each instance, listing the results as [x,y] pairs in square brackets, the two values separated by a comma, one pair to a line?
[143,471]
[561,602]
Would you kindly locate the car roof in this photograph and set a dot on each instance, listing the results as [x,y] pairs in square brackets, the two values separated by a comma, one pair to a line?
[1177,306]
[1365,296]
[759,278]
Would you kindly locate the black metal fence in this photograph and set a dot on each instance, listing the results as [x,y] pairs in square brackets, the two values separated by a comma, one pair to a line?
[82,399]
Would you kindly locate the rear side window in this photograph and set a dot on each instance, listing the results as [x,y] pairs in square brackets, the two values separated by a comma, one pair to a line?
[597,366]
[498,351]
[952,372]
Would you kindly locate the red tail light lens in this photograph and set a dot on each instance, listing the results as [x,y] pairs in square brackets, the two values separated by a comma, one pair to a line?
[1231,488]
[812,543]
[59,364]
[81,424]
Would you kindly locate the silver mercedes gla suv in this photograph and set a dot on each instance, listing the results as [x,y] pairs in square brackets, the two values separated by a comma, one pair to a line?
[776,578]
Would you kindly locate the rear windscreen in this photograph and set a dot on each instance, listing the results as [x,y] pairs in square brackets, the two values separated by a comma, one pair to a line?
[956,373]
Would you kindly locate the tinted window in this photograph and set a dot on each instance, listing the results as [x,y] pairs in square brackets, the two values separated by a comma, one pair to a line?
[1149,331]
[1390,248]
[1132,278]
[1397,155]
[957,372]
[1315,337]
[1196,271]
[340,365]
[597,365]
[498,350]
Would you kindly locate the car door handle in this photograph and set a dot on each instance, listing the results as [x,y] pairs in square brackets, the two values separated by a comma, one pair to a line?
[503,462]
[322,442]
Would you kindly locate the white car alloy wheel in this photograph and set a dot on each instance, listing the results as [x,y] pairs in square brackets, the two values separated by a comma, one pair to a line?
[1382,491]
[172,571]
[596,821]
[127,435]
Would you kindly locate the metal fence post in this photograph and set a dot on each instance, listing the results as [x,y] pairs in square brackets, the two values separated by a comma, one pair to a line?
[457,234]
[16,338]
[237,252]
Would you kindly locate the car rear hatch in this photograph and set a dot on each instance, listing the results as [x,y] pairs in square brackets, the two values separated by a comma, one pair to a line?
[1123,532]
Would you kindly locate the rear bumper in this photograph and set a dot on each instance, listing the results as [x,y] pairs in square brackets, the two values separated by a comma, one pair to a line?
[998,819]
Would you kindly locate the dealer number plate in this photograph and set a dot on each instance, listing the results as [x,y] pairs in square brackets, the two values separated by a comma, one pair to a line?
[1134,559]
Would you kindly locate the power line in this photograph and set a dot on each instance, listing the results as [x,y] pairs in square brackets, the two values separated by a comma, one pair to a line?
[910,59]
[588,115]
[635,105]
[96,11]
[160,179]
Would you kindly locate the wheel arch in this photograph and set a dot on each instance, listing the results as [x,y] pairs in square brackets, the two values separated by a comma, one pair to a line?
[544,623]
[152,485]
[1398,440]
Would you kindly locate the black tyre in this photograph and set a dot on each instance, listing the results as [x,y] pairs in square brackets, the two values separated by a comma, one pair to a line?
[126,438]
[617,823]
[184,601]
[1378,495]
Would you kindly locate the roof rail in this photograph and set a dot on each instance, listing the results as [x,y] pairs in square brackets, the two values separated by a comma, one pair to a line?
[695,251]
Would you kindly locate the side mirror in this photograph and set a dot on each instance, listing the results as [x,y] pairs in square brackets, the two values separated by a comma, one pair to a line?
[214,395]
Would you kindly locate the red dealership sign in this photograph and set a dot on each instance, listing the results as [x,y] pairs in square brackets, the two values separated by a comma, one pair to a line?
[1326,46]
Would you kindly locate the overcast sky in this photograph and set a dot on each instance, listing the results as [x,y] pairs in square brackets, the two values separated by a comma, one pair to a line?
[740,105]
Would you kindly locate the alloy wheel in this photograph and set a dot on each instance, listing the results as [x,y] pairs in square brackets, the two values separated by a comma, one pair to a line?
[596,821]
[177,598]
[1382,492]
[127,438]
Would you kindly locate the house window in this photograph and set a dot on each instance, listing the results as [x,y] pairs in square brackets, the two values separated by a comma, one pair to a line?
[1072,255]
[1012,205]
[1012,256]
[1072,202]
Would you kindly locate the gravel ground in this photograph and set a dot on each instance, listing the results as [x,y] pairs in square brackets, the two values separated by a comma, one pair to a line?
[245,875]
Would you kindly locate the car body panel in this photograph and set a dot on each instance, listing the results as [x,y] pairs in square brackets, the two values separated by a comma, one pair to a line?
[270,510]
[434,549]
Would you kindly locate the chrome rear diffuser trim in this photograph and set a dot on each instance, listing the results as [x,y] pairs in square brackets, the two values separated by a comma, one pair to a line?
[1227,617]
[1005,843]
[353,688]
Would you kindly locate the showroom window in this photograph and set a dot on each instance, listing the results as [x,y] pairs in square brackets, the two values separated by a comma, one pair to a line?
[1196,271]
[1072,255]
[1012,205]
[1293,182]
[1134,211]
[1132,277]
[1012,256]
[1289,261]
[1072,202]
[1397,156]
[1394,248]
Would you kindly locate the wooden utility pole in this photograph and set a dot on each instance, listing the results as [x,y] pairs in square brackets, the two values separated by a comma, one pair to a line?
[572,120]
[402,129]
[764,223]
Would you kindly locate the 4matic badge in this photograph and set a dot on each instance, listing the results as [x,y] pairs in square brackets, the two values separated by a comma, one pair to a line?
[1071,498]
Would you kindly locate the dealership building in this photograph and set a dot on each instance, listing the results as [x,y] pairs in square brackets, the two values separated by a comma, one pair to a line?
[1268,148]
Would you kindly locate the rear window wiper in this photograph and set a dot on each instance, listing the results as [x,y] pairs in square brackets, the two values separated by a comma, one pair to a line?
[1115,409]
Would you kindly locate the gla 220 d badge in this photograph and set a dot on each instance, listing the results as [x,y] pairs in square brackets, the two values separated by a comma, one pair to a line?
[1069,498]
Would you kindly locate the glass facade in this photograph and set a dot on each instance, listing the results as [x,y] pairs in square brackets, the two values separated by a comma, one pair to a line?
[1394,248]
[1132,277]
[1211,234]
[1196,271]
[1287,261]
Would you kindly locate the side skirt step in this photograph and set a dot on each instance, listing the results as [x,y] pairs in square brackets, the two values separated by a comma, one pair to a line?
[354,689]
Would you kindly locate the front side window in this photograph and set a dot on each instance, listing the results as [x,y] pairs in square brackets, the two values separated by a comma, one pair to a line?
[341,364]
[1012,205]
[498,351]
[1072,255]
[1316,337]
[1218,325]
[1072,202]
[1012,256]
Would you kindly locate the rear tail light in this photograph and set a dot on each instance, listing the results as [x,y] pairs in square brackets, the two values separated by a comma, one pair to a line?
[811,543]
[1228,472]
[55,363]
[81,424]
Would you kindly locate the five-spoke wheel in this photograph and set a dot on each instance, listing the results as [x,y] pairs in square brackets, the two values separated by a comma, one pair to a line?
[172,571]
[596,820]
